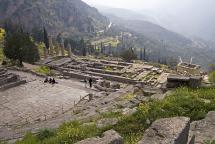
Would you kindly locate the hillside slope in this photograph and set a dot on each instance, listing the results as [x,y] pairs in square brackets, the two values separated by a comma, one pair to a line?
[57,16]
[166,44]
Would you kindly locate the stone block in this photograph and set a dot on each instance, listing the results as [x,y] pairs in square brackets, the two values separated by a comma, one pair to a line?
[109,137]
[167,131]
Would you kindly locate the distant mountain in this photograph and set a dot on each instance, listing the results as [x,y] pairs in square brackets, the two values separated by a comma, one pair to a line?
[151,30]
[57,16]
[165,44]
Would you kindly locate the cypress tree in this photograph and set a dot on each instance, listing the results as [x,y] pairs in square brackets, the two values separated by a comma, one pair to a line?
[46,39]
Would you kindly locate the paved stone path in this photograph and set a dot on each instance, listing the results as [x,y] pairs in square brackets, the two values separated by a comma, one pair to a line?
[35,101]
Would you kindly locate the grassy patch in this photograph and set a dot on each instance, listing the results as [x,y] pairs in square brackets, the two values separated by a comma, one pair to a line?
[182,102]
[108,68]
[210,142]
[44,70]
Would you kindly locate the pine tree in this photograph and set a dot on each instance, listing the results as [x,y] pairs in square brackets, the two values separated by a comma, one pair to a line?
[20,46]
[141,54]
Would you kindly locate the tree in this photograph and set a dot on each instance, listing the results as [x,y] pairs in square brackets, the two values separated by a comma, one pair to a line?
[141,54]
[46,39]
[37,34]
[20,46]
[128,55]
[83,47]
[144,54]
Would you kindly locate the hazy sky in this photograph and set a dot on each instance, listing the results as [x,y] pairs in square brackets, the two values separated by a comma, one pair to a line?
[194,17]
[141,4]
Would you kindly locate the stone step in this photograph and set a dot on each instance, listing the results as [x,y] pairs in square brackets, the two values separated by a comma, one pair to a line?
[5,75]
[9,79]
[12,84]
[3,71]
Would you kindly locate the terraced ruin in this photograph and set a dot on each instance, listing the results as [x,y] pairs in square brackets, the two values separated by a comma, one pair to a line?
[122,72]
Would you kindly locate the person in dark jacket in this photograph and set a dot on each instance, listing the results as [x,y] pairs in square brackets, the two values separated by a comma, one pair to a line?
[91,82]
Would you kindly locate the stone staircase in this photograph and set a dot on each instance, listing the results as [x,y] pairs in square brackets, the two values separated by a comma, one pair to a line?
[9,80]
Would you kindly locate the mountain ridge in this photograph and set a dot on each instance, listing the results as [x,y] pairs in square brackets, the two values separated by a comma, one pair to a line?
[72,16]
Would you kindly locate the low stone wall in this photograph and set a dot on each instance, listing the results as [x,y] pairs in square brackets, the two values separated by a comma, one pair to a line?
[174,81]
[168,131]
[79,75]
[95,70]
[114,78]
[10,85]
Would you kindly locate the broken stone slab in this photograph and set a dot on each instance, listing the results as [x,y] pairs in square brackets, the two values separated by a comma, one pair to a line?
[109,137]
[106,122]
[168,131]
[129,111]
[203,130]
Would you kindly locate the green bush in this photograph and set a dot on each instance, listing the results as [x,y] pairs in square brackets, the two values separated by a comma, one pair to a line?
[46,133]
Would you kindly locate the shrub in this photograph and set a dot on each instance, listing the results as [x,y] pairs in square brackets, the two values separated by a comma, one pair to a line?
[45,133]
[212,77]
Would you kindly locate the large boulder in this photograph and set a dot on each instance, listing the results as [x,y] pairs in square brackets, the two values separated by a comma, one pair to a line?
[203,130]
[167,131]
[109,137]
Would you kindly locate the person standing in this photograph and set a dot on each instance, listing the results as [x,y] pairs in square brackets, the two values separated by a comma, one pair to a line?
[85,83]
[91,82]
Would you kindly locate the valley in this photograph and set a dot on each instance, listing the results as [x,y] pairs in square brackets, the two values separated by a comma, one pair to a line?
[74,74]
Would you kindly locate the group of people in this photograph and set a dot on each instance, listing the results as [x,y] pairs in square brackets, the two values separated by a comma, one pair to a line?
[90,82]
[50,80]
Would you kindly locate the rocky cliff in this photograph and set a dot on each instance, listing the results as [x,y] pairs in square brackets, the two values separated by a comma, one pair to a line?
[57,16]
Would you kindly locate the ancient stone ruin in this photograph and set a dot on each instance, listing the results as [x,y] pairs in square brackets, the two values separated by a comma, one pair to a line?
[114,71]
[9,80]
[189,69]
